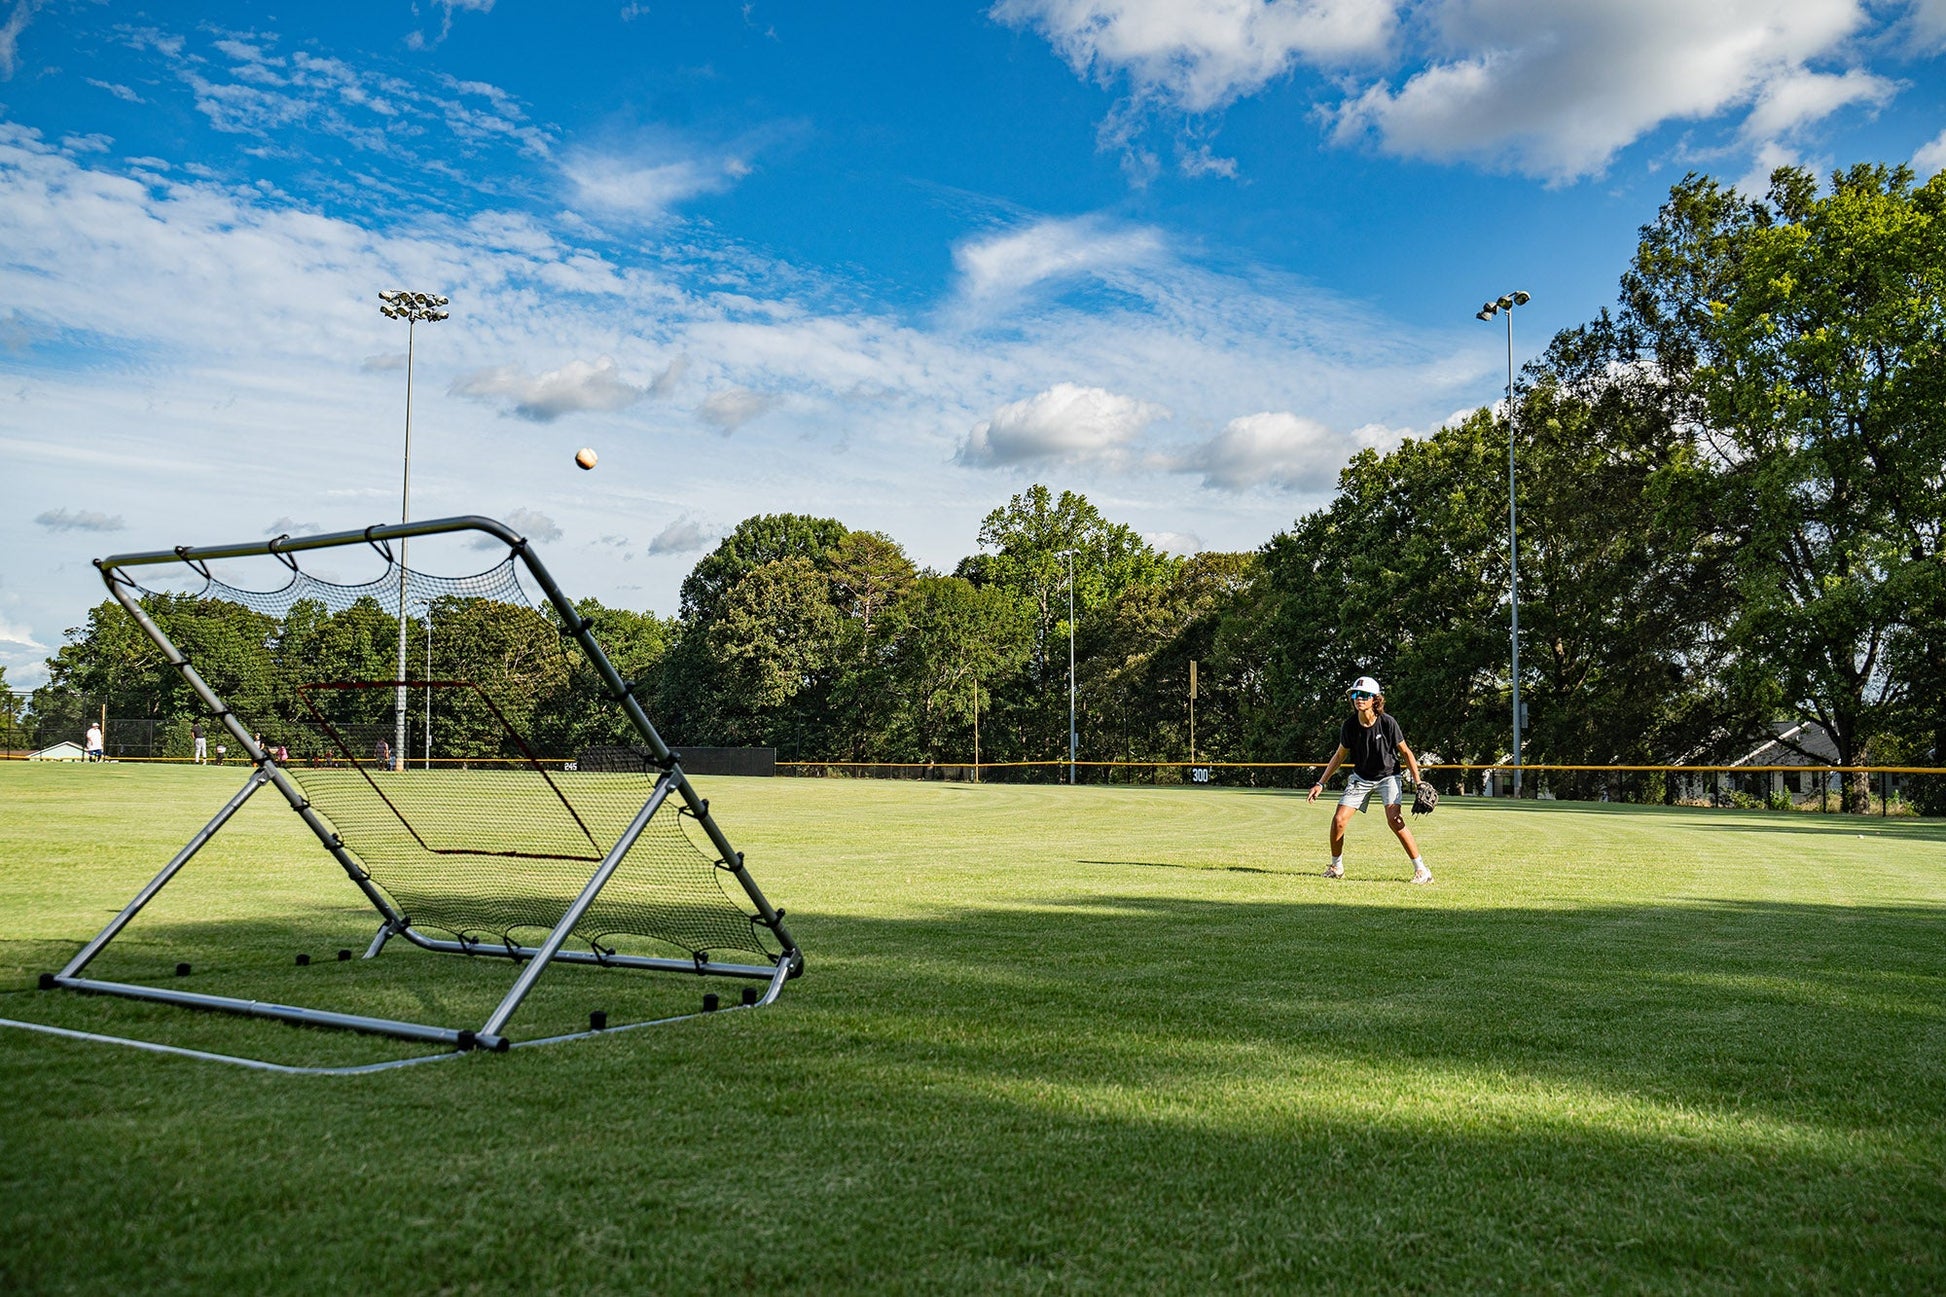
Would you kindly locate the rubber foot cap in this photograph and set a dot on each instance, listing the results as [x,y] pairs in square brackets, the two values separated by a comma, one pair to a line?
[343,955]
[749,995]
[710,1002]
[598,1021]
[182,970]
[47,981]
[303,961]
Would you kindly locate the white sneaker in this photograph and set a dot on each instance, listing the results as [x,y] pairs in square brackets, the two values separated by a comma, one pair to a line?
[1422,875]
[1334,871]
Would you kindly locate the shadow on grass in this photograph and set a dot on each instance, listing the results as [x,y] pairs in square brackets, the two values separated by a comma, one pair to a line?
[1111,1091]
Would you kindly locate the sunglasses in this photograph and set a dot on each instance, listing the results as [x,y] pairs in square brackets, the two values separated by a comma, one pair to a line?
[1359,695]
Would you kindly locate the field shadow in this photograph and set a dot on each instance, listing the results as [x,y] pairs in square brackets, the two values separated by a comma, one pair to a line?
[1128,1091]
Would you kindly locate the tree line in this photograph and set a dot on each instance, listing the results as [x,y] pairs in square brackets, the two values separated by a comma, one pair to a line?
[1731,512]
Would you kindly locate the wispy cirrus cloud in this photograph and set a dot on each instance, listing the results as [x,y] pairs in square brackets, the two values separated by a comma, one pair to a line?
[17,20]
[1003,265]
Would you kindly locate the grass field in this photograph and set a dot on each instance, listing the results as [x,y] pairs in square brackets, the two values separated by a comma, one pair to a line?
[1060,1039]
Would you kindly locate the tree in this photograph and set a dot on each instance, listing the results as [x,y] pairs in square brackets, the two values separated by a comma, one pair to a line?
[765,538]
[773,641]
[948,641]
[1806,333]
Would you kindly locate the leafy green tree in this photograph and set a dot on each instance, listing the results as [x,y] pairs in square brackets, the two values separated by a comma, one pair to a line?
[773,641]
[947,641]
[756,541]
[1805,332]
[1027,539]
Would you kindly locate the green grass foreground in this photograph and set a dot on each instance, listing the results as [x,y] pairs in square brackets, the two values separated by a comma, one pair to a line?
[1050,1039]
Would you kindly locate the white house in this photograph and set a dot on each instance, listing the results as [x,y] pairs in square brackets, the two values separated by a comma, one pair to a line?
[65,750]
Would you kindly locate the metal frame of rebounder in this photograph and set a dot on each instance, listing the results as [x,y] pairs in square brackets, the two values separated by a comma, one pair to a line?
[534,959]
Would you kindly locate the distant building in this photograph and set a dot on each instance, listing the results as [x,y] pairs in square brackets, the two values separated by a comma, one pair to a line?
[65,750]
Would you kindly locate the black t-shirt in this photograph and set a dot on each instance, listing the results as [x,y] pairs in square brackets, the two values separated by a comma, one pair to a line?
[1374,748]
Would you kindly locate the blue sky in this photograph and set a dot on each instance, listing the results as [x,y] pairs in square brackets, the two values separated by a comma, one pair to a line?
[889,263]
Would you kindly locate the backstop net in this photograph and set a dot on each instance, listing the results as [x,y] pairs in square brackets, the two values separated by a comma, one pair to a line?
[427,729]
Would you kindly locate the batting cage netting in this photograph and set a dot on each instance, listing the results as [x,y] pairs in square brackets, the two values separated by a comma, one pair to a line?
[449,790]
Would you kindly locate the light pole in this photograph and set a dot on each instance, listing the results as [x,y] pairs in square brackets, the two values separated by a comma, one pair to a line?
[1074,733]
[398,304]
[1505,306]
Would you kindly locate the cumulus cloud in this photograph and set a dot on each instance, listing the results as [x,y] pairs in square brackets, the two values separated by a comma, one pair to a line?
[1064,424]
[683,536]
[1553,90]
[1280,449]
[1931,157]
[79,520]
[1005,264]
[733,407]
[1201,55]
[18,635]
[287,526]
[543,398]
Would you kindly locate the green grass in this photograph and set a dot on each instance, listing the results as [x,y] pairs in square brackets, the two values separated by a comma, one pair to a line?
[1049,1039]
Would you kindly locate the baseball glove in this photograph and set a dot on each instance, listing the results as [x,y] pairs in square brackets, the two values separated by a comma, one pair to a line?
[1425,798]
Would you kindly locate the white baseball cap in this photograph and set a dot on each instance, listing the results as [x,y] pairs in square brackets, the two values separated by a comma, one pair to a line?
[1365,685]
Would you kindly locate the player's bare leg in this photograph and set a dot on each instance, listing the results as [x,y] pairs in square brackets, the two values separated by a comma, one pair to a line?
[1340,821]
[1395,816]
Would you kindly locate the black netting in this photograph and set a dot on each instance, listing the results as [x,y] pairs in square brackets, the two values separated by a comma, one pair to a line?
[455,784]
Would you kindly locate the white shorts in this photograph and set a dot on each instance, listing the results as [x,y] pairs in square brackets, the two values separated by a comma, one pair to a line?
[1358,789]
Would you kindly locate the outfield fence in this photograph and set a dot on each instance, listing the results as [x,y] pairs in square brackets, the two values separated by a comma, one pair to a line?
[1878,790]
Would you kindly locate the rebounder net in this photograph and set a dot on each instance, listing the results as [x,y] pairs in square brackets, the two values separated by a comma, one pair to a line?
[455,785]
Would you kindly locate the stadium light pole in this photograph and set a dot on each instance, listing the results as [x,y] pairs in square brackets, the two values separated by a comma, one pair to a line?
[1505,305]
[1074,733]
[399,304]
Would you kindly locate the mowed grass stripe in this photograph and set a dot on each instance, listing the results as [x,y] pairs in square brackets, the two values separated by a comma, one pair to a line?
[1051,1039]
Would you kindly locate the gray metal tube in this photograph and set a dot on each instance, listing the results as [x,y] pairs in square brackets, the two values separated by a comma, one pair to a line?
[490,1032]
[156,884]
[708,968]
[267,1009]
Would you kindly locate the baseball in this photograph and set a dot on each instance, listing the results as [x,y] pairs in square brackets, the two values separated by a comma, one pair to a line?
[585,457]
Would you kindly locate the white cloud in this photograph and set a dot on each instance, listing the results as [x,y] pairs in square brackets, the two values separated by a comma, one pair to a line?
[1927,26]
[385,362]
[1064,424]
[79,520]
[733,407]
[1001,265]
[543,398]
[1175,542]
[683,536]
[120,92]
[1555,90]
[531,523]
[1200,55]
[10,36]
[645,187]
[11,634]
[1931,157]
[1799,98]
[1550,89]
[287,526]
[1282,450]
